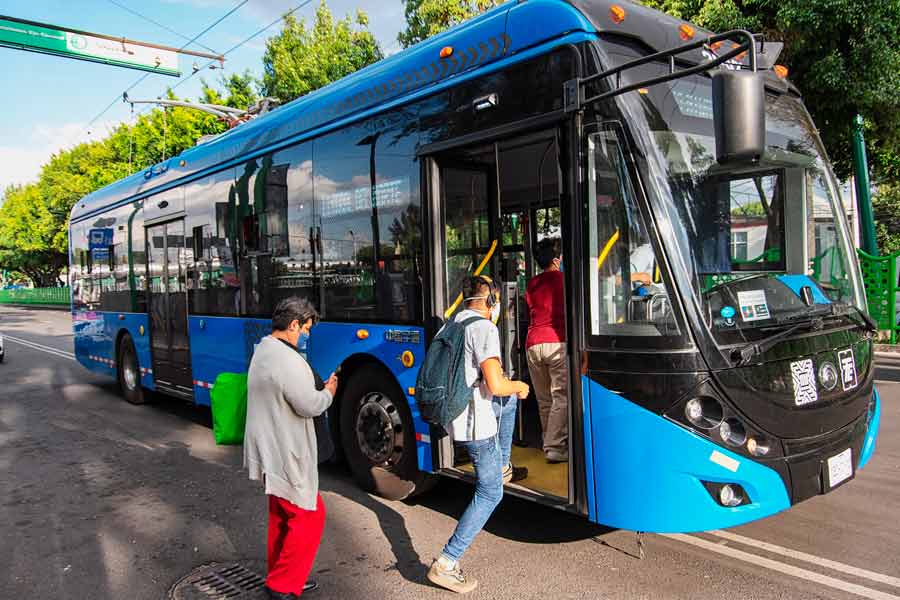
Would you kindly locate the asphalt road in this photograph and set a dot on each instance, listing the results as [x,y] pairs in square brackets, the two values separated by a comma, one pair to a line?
[100,499]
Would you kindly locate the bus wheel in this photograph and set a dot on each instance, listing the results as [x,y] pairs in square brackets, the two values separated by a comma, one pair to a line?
[129,374]
[378,436]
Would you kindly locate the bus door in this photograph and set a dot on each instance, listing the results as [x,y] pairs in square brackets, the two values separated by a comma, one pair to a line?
[167,305]
[493,201]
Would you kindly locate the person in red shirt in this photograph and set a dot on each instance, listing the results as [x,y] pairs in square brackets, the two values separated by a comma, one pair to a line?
[546,349]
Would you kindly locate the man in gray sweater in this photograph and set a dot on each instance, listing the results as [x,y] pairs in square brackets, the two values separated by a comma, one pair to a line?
[280,446]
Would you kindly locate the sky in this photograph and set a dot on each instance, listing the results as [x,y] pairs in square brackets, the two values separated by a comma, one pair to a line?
[52,103]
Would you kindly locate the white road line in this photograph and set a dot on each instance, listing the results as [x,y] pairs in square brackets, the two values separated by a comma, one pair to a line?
[810,558]
[40,348]
[774,565]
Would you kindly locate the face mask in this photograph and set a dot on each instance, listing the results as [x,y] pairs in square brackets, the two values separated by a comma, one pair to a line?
[302,340]
[560,264]
[495,313]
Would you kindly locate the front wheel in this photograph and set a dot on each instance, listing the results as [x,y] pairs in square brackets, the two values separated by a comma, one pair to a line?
[378,436]
[128,373]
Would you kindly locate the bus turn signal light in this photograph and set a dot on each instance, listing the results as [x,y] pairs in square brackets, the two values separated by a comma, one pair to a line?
[781,71]
[446,51]
[685,32]
[362,334]
[616,13]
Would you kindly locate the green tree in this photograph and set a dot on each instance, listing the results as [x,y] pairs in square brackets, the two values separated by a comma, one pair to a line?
[301,59]
[886,206]
[29,230]
[425,18]
[842,54]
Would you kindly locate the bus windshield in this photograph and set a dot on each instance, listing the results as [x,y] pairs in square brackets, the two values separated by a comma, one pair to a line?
[762,243]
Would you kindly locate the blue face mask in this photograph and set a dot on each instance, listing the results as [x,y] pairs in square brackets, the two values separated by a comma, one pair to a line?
[302,341]
[560,264]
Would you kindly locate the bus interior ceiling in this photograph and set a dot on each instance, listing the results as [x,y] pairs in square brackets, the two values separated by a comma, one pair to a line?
[507,191]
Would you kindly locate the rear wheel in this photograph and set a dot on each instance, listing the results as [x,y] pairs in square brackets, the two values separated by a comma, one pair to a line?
[129,374]
[378,436]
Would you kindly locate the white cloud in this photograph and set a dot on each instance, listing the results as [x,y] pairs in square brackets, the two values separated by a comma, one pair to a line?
[22,163]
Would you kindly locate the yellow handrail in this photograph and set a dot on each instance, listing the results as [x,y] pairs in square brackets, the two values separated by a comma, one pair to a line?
[481,266]
[607,248]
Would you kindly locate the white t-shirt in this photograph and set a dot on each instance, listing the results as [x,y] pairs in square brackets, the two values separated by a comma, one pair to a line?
[482,343]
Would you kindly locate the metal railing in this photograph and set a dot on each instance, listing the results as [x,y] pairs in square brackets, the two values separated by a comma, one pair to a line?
[880,279]
[49,296]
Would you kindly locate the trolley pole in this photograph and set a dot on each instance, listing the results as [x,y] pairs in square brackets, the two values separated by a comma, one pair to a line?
[863,194]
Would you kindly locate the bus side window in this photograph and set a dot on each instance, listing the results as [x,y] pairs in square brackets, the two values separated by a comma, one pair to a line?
[625,295]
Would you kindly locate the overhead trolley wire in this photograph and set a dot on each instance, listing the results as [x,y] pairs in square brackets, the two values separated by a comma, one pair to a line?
[157,23]
[191,41]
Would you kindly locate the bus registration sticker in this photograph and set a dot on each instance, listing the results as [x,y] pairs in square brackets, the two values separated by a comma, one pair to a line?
[840,467]
[753,305]
[804,376]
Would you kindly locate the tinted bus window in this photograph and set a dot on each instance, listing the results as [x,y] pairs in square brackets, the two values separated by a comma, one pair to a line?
[367,201]
[212,277]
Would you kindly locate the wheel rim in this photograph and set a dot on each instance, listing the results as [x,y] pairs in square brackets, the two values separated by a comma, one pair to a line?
[129,372]
[379,430]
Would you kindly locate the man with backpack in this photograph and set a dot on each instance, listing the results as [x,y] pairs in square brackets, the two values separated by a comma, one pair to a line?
[476,426]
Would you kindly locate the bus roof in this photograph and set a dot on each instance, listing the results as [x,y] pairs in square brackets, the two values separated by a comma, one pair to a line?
[494,36]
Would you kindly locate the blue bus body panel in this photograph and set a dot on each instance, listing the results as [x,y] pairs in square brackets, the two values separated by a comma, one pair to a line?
[330,344]
[95,335]
[872,434]
[654,468]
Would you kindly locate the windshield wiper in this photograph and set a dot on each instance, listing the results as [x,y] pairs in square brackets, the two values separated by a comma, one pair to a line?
[745,354]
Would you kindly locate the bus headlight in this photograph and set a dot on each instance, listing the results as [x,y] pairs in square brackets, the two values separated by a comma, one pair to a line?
[732,432]
[729,496]
[758,445]
[703,412]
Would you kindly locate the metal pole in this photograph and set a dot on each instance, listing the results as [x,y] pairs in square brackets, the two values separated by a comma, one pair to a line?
[863,195]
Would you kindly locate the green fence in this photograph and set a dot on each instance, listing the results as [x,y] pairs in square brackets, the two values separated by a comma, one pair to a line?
[880,278]
[58,295]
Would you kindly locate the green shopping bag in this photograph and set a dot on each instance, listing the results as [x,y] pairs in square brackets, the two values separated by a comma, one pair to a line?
[229,407]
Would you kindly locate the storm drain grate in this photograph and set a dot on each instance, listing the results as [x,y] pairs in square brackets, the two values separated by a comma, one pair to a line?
[221,581]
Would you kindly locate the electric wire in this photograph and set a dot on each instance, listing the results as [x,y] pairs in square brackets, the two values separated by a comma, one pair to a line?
[145,75]
[157,23]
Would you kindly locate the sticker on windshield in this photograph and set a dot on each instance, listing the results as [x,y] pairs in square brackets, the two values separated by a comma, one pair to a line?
[753,305]
[804,377]
[848,369]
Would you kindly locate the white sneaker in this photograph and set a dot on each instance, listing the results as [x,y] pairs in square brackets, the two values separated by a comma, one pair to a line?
[451,579]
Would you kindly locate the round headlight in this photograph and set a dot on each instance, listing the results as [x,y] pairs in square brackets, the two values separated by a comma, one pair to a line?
[828,375]
[728,496]
[703,412]
[732,432]
[758,446]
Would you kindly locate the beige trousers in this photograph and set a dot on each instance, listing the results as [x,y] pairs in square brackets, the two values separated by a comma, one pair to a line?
[549,368]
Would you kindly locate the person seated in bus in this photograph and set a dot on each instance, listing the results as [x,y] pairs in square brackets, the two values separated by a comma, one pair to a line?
[477,430]
[545,349]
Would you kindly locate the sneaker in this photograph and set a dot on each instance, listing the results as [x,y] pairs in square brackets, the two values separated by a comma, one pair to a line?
[451,579]
[512,473]
[555,456]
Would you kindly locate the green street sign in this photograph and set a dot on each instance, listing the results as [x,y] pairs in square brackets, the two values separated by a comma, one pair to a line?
[70,43]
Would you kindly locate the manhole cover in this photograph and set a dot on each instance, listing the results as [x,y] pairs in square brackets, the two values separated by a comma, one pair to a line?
[229,581]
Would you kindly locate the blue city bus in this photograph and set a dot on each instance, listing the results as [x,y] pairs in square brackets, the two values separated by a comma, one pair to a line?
[720,359]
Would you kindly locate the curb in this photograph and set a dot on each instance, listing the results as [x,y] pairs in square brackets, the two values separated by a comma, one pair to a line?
[38,306]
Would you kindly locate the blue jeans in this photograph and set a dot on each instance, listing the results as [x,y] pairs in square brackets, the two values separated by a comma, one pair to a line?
[488,465]
[505,412]
[489,457]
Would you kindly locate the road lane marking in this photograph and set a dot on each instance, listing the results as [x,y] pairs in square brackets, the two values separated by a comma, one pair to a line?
[810,558]
[40,347]
[774,565]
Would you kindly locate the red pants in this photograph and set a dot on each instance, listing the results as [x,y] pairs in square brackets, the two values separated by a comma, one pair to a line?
[294,536]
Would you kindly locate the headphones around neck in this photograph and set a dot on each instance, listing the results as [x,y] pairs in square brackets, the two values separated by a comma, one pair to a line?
[491,299]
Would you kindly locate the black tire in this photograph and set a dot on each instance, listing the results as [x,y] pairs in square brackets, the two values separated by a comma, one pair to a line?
[378,437]
[128,373]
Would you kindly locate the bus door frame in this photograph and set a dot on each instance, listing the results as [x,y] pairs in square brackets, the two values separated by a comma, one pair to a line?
[183,387]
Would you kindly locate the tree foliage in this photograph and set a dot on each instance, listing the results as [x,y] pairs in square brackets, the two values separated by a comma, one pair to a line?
[425,18]
[842,54]
[886,206]
[301,59]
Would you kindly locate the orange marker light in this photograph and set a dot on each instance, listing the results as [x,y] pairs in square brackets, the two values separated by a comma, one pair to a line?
[643,91]
[407,359]
[716,45]
[685,32]
[411,391]
[616,13]
[781,71]
[446,51]
[362,334]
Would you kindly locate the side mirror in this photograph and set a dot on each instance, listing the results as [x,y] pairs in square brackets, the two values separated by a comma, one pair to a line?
[739,115]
